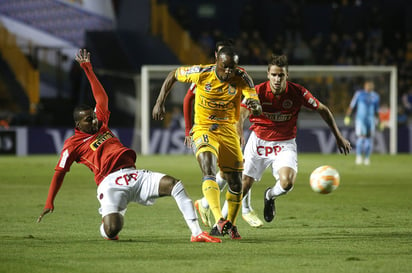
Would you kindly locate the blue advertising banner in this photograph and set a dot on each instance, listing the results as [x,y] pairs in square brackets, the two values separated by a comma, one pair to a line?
[8,142]
[51,140]
[28,140]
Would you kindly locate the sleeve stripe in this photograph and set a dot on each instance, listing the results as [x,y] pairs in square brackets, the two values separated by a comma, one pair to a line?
[243,74]
[207,68]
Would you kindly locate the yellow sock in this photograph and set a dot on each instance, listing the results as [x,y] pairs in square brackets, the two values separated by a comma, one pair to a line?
[212,193]
[234,201]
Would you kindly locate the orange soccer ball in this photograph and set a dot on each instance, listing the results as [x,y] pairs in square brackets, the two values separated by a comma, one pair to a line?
[324,179]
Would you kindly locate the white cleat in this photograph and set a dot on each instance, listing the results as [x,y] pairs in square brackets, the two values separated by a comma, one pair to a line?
[252,219]
[205,214]
[358,160]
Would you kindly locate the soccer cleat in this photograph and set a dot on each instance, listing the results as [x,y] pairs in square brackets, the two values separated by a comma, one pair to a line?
[367,161]
[223,226]
[215,232]
[252,219]
[234,234]
[203,212]
[269,210]
[204,237]
[210,217]
[358,160]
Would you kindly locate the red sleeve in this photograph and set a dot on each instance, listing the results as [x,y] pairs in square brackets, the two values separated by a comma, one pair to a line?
[309,100]
[100,96]
[54,188]
[188,107]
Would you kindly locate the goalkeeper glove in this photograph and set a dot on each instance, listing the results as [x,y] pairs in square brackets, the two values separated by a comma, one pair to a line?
[380,125]
[346,120]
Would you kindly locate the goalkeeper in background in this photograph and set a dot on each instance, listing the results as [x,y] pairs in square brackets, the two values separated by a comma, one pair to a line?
[366,104]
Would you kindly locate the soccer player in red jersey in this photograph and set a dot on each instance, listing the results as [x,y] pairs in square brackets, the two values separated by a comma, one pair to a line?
[118,181]
[272,141]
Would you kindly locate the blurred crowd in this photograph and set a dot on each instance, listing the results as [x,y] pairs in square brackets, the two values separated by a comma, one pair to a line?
[367,38]
[368,45]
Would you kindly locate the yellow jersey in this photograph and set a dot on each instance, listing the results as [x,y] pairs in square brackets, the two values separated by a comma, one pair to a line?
[216,102]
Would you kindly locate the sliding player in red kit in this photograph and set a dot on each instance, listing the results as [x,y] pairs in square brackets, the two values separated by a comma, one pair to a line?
[118,182]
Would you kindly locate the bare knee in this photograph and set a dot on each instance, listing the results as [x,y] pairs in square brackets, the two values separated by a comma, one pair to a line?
[113,224]
[287,182]
[166,185]
[287,177]
[234,180]
[207,163]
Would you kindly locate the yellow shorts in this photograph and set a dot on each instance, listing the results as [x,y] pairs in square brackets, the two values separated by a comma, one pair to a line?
[223,141]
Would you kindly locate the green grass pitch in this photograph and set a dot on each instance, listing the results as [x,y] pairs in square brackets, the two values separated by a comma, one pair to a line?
[364,226]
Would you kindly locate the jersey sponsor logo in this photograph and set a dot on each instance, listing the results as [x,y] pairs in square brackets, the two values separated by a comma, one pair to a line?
[277,116]
[216,104]
[267,150]
[100,139]
[125,179]
[287,104]
[313,102]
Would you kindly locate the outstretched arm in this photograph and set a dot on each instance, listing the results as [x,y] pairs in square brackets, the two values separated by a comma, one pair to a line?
[54,188]
[159,111]
[343,144]
[102,100]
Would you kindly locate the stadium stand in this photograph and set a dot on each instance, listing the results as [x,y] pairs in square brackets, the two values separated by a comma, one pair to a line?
[351,32]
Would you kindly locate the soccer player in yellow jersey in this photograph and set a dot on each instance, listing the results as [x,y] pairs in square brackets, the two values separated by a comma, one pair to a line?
[216,142]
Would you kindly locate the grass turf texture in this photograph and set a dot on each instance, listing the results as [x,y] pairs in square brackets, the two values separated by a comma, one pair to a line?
[364,226]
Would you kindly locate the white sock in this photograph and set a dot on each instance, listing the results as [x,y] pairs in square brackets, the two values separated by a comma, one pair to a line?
[185,205]
[276,191]
[246,206]
[204,202]
[102,232]
[225,210]
[222,184]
